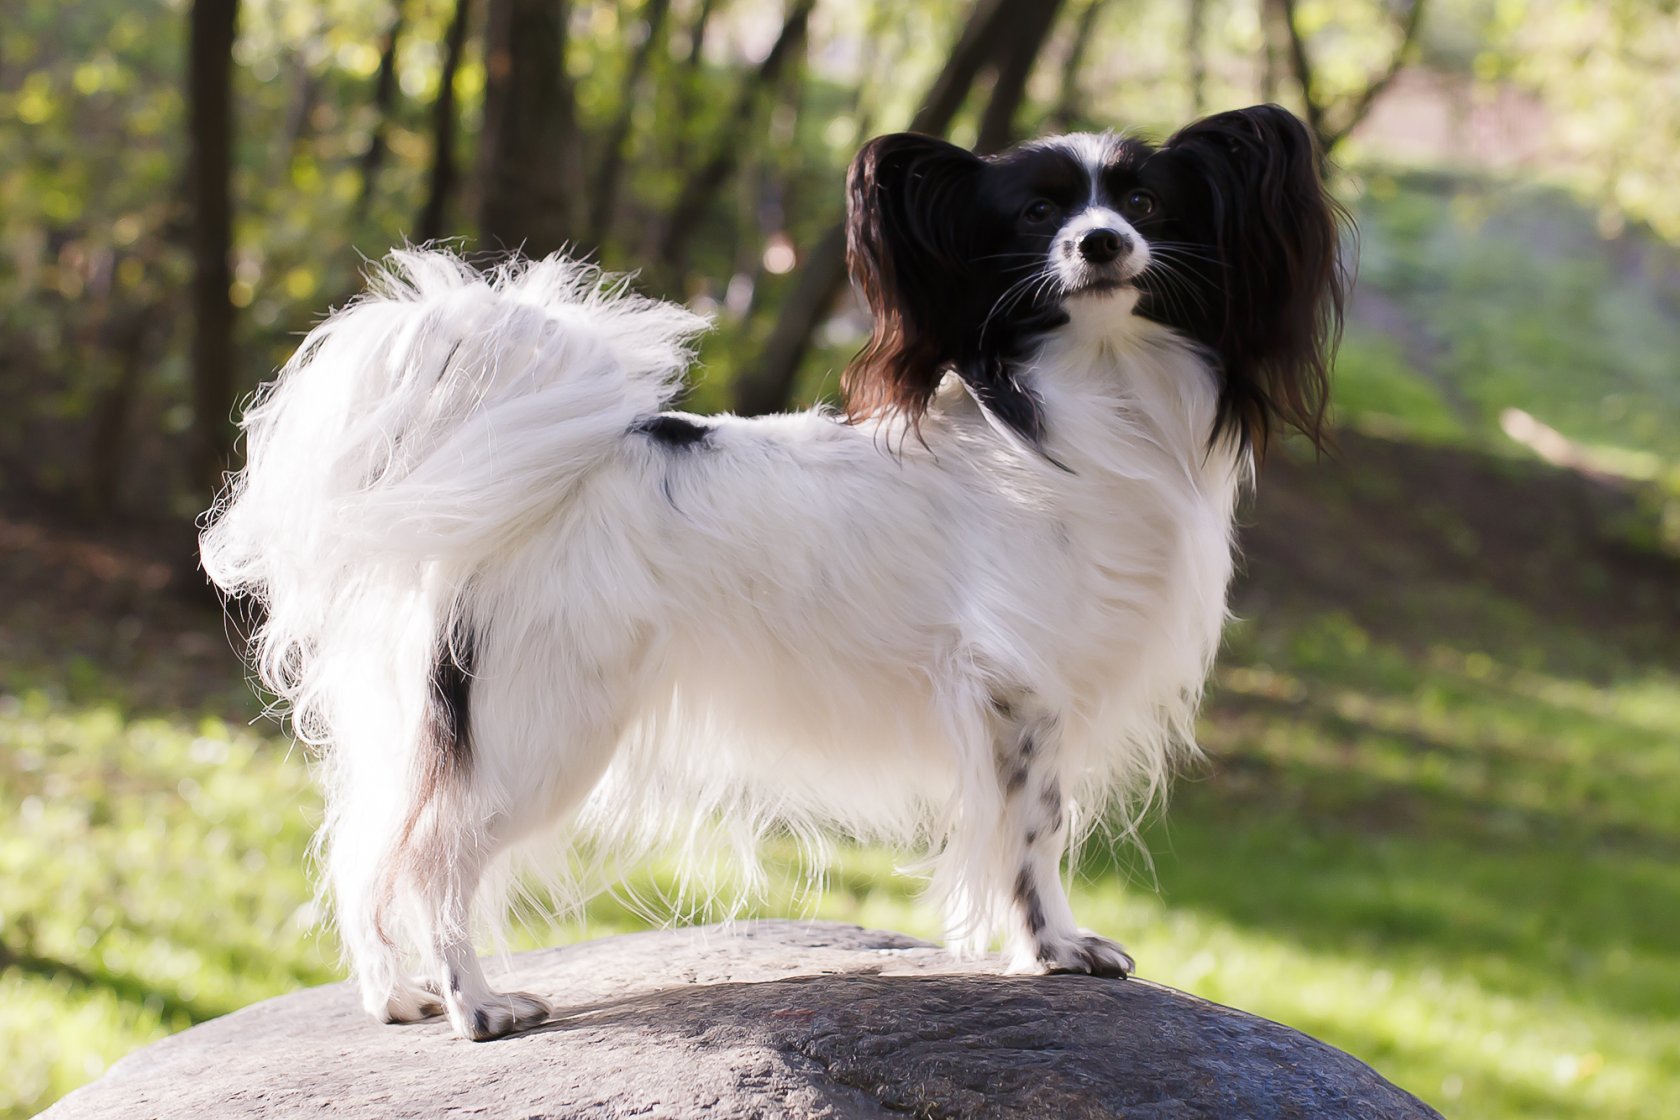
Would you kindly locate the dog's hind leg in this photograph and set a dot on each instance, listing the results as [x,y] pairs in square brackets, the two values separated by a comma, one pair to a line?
[473,825]
[360,843]
[444,897]
[542,732]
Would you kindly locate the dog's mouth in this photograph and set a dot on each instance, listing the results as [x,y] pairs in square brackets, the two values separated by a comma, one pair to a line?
[1099,280]
[1099,286]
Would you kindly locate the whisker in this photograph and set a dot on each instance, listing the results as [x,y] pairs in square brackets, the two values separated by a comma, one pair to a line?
[1184,250]
[1012,256]
[1010,296]
[1175,289]
[1182,258]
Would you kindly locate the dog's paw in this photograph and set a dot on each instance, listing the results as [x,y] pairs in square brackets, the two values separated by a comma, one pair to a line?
[1085,953]
[500,1013]
[409,1003]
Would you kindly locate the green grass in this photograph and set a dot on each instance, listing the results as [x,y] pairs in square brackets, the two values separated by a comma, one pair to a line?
[151,876]
[1459,865]
[1506,296]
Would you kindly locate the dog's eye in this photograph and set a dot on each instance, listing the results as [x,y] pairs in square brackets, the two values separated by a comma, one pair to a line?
[1138,204]
[1039,210]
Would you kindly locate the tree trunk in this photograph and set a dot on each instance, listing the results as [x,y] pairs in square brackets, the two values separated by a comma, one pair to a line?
[603,195]
[688,81]
[441,184]
[701,188]
[1271,51]
[772,199]
[768,385]
[210,120]
[1031,25]
[1195,54]
[529,151]
[384,97]
[129,336]
[982,41]
[1069,101]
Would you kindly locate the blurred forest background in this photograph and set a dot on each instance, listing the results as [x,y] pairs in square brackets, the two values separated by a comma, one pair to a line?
[1439,828]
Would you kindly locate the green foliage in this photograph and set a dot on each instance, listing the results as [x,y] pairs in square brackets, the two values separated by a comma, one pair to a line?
[1477,296]
[93,263]
[87,205]
[1609,75]
[1378,391]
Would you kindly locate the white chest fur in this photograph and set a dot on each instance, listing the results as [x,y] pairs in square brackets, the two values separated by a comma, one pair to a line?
[1144,513]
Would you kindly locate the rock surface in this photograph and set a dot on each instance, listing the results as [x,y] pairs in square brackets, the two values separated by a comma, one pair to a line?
[765,1019]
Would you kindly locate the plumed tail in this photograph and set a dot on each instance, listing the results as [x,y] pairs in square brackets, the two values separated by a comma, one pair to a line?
[413,435]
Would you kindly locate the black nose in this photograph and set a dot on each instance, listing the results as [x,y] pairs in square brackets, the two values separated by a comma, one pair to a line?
[1102,246]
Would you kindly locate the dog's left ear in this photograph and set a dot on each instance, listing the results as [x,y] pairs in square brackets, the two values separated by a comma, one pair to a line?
[909,201]
[1278,234]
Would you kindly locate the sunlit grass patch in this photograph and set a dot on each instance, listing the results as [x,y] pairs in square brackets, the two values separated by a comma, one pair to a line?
[1457,867]
[152,876]
[1378,390]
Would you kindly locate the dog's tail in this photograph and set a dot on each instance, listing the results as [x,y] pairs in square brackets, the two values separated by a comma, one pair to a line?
[415,433]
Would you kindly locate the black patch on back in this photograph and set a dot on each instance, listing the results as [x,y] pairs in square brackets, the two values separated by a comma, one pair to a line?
[673,430]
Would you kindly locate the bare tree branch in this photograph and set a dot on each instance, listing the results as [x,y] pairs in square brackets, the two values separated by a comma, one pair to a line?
[1356,109]
[441,185]
[1300,64]
[384,96]
[1362,104]
[603,196]
[768,385]
[210,124]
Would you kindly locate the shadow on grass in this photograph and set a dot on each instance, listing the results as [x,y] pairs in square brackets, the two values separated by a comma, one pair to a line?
[129,989]
[1532,919]
[1468,787]
[1485,545]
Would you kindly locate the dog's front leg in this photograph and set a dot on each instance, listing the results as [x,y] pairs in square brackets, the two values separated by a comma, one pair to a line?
[1034,836]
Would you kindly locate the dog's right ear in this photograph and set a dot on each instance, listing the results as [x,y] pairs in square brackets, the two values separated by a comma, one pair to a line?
[909,235]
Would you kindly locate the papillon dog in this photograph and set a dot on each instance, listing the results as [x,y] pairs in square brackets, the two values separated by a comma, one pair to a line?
[510,593]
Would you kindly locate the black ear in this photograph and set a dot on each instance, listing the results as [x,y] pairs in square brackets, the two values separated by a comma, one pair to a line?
[909,227]
[1277,234]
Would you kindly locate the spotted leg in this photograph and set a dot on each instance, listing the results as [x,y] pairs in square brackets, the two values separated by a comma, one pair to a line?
[1042,935]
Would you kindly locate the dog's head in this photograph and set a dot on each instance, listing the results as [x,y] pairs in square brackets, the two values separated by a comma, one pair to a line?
[1225,233]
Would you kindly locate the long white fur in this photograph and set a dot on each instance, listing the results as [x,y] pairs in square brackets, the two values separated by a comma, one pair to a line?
[799,622]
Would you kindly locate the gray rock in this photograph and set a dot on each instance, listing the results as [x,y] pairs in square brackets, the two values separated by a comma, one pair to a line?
[763,1019]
